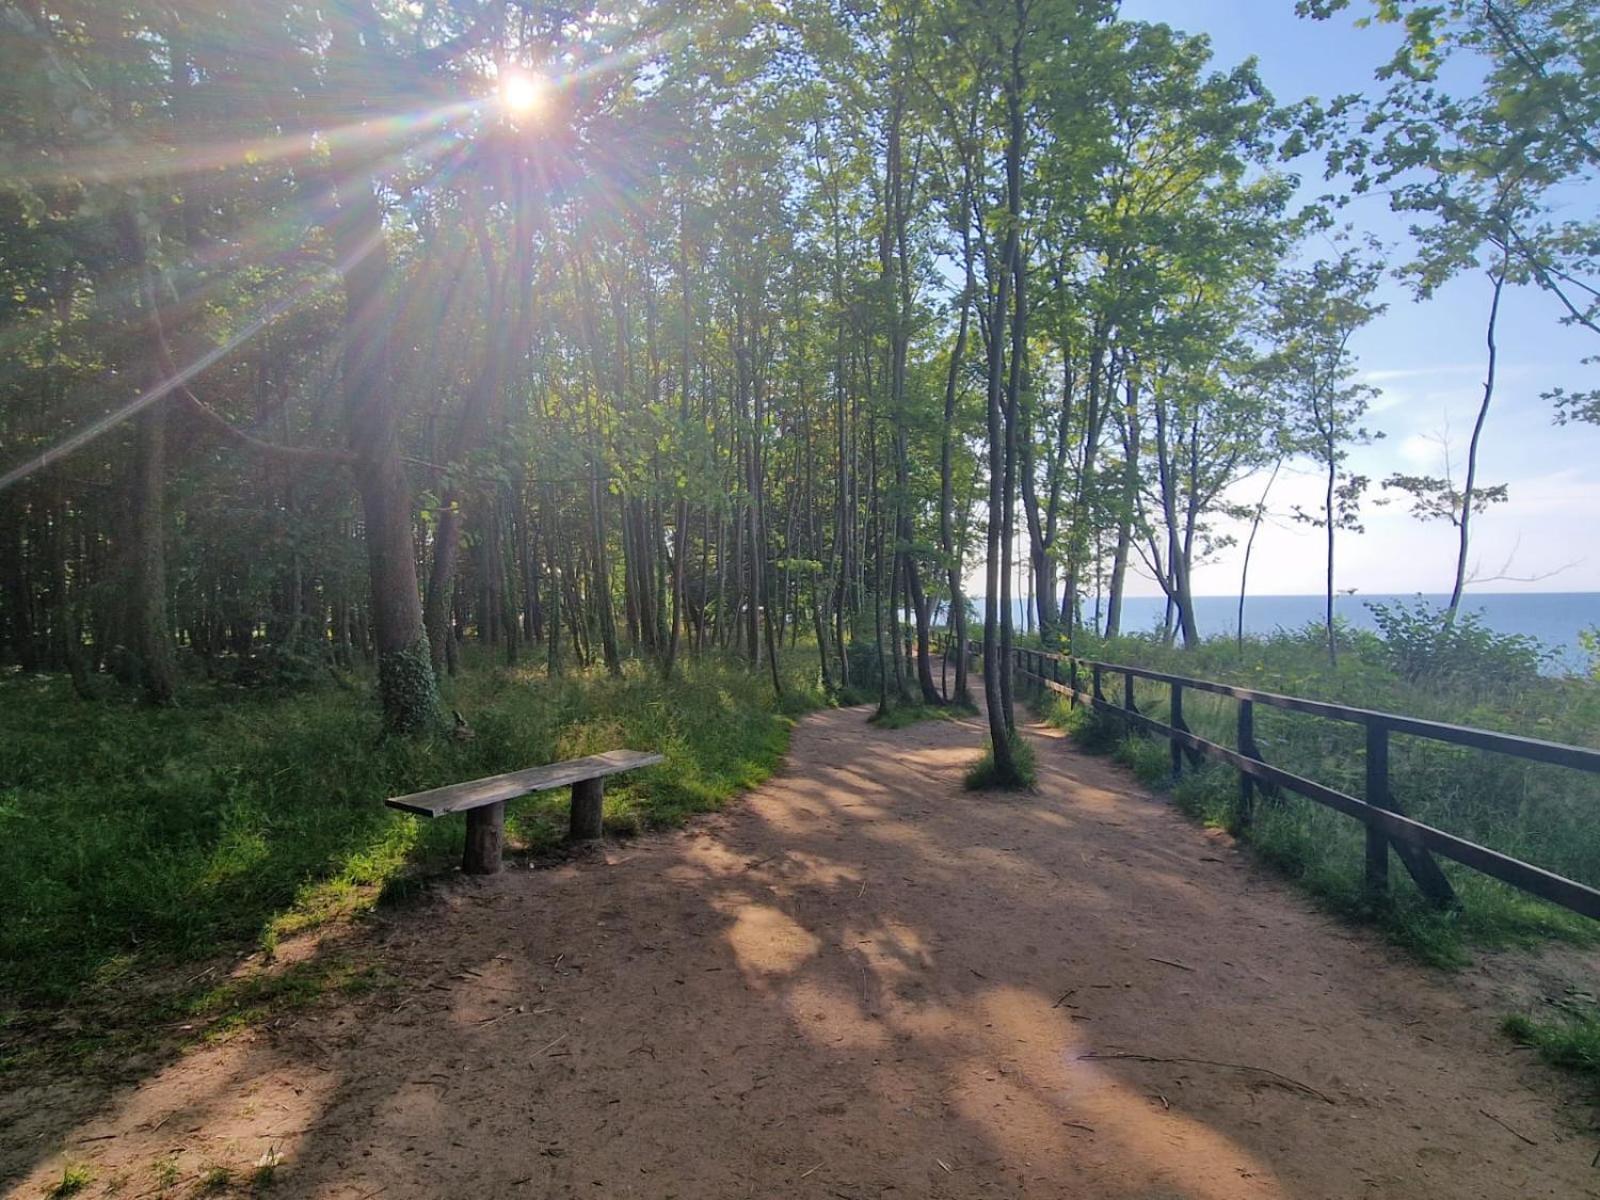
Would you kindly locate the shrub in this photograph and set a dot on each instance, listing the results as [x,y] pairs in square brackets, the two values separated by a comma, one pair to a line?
[1418,644]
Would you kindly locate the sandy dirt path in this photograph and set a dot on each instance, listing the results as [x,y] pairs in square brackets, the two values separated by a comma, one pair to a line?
[862,982]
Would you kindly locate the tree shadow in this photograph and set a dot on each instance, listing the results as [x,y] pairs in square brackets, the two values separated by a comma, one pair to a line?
[864,982]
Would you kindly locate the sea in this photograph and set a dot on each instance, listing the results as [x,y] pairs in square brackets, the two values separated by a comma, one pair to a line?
[1553,618]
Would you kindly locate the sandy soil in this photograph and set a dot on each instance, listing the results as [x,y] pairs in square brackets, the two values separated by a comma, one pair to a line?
[862,982]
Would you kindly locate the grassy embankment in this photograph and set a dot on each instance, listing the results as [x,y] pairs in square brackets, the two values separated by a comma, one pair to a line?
[132,839]
[1543,814]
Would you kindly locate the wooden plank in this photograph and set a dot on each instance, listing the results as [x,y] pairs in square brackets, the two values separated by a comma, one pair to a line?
[1547,885]
[1377,865]
[1582,758]
[460,797]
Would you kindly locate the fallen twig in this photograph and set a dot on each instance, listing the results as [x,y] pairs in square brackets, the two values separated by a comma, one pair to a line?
[515,1012]
[552,1045]
[1062,999]
[811,1170]
[1522,1136]
[1209,1062]
[1078,1125]
[1169,962]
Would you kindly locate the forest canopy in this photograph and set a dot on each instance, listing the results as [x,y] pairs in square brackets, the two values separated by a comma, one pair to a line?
[344,333]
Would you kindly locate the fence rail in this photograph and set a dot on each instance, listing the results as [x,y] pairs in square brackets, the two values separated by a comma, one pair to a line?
[1414,842]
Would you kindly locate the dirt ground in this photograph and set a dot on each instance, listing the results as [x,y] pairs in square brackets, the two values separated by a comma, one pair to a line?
[861,982]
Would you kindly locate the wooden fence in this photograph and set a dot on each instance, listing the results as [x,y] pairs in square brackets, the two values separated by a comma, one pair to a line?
[1414,842]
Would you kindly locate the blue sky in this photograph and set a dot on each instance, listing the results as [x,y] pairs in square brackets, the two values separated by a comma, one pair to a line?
[1428,360]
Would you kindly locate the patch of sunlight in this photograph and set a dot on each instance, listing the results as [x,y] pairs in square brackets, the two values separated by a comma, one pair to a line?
[355,886]
[768,942]
[1053,1083]
[259,1107]
[833,1016]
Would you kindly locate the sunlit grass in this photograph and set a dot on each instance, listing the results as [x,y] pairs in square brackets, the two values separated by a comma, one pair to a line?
[132,837]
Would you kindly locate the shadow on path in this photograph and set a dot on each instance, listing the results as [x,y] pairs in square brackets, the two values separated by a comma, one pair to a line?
[861,982]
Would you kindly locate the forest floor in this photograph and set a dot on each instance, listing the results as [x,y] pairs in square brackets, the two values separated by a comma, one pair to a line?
[861,981]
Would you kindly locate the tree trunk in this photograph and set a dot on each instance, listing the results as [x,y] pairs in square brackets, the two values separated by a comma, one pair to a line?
[407,688]
[1468,489]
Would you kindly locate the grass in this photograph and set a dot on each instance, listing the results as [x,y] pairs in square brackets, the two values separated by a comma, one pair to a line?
[74,1178]
[984,775]
[133,839]
[903,715]
[1539,813]
[1571,1041]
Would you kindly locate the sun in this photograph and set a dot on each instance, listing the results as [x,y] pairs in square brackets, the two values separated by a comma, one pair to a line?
[523,93]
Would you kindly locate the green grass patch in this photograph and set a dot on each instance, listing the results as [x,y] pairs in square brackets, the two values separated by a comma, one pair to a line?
[132,838]
[74,1178]
[984,775]
[1570,1041]
[902,715]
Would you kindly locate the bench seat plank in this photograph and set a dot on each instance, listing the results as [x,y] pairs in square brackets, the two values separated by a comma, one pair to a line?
[496,789]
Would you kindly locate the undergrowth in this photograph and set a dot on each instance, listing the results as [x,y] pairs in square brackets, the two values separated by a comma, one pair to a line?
[985,774]
[132,837]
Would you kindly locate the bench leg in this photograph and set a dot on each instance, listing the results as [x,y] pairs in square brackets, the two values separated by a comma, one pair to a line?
[486,829]
[587,797]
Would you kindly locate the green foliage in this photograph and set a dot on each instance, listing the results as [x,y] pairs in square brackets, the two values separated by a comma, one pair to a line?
[1571,1040]
[985,774]
[901,715]
[74,1178]
[407,690]
[1589,639]
[129,837]
[1419,644]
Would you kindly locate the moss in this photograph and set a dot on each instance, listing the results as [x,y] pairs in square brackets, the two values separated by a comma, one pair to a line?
[408,690]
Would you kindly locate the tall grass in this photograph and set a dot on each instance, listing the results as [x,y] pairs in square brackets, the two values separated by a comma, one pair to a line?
[1543,814]
[130,836]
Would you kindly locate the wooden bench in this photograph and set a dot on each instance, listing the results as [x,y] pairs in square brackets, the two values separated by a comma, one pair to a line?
[484,800]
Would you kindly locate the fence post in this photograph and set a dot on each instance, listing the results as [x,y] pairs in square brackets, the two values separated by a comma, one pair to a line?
[1127,692]
[1176,722]
[1377,794]
[1096,675]
[1247,747]
[1072,675]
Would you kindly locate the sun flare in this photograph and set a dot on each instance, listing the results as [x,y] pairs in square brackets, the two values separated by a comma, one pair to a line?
[523,93]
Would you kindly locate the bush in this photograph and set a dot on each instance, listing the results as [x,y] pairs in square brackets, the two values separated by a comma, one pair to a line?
[1419,644]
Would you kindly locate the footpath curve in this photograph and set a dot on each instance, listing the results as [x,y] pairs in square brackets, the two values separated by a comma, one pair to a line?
[862,982]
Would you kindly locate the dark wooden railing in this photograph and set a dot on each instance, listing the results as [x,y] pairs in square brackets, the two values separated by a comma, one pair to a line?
[1386,823]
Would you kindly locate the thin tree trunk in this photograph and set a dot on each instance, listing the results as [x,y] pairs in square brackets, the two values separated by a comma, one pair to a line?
[1468,489]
